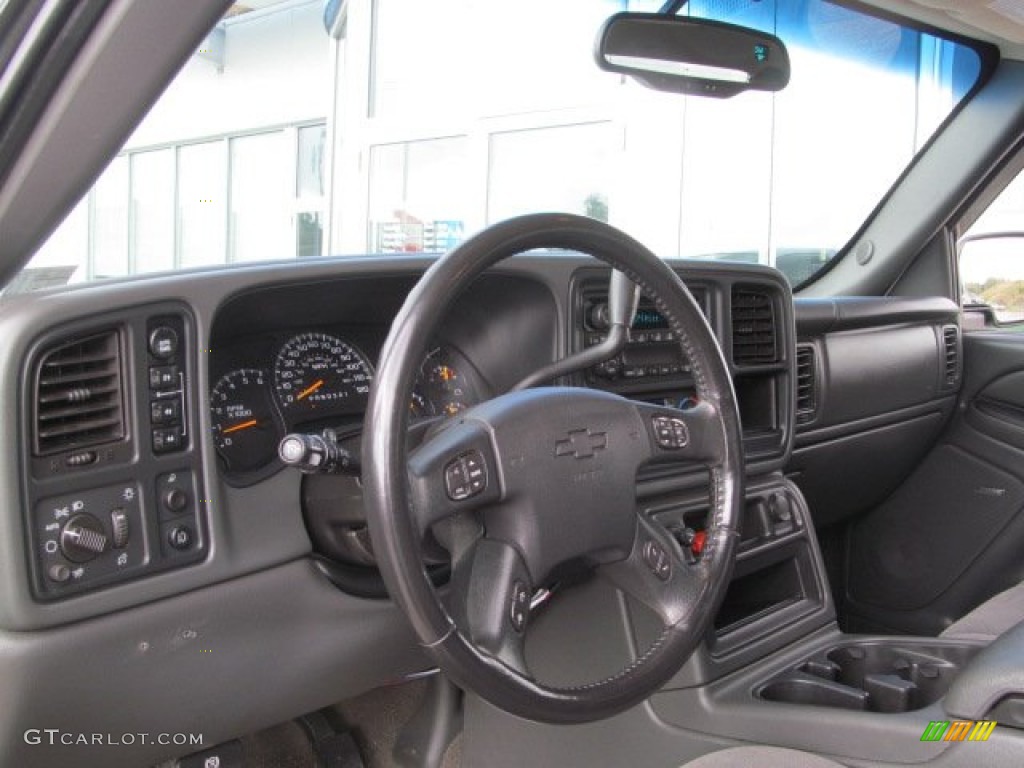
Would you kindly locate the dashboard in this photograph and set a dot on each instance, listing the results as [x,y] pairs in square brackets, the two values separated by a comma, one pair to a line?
[150,464]
[148,503]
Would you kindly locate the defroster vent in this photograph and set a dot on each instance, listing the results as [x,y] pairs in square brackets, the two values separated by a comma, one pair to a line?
[78,395]
[753,326]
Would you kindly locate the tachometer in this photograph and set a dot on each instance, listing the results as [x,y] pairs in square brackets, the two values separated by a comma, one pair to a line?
[317,372]
[245,427]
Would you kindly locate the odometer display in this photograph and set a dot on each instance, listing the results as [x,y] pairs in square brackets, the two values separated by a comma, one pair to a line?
[315,372]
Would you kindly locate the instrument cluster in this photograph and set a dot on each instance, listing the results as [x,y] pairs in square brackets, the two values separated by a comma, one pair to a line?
[315,380]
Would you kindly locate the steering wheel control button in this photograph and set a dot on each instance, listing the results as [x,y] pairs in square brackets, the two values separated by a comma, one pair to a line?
[657,560]
[465,476]
[180,537]
[671,433]
[163,342]
[520,606]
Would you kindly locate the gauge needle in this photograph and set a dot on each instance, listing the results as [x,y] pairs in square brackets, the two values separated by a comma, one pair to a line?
[239,427]
[310,389]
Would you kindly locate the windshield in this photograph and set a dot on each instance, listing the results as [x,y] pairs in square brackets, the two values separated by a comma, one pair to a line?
[301,129]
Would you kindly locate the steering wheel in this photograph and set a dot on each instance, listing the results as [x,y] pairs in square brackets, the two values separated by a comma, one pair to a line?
[531,480]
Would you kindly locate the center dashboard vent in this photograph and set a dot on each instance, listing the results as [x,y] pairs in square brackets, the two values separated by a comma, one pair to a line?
[806,385]
[951,359]
[753,326]
[78,394]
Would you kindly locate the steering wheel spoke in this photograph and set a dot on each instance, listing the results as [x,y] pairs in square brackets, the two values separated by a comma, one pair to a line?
[490,596]
[453,472]
[657,572]
[691,435]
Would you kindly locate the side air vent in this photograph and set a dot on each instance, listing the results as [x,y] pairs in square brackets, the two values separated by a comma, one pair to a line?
[951,350]
[806,385]
[78,397]
[753,326]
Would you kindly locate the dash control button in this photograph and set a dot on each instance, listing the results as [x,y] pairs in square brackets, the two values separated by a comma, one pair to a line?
[119,526]
[59,573]
[180,537]
[175,500]
[163,376]
[163,342]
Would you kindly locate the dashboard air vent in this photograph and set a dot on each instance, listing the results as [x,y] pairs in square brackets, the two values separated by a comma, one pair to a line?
[951,360]
[753,326]
[78,397]
[806,385]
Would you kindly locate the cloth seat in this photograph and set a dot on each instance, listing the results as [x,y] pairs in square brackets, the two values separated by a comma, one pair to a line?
[761,757]
[990,619]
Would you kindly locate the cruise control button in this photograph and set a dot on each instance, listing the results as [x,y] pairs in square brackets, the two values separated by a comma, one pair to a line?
[520,606]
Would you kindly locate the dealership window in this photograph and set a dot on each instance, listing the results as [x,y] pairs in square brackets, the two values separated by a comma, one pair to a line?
[247,197]
[202,203]
[151,211]
[309,190]
[418,195]
[108,229]
[563,168]
[258,222]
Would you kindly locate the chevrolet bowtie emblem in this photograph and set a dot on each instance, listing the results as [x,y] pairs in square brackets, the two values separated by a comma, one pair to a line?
[582,444]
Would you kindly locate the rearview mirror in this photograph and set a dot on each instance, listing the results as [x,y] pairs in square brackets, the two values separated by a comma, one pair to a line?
[692,56]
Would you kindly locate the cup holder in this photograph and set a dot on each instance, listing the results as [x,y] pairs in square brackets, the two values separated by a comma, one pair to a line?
[871,677]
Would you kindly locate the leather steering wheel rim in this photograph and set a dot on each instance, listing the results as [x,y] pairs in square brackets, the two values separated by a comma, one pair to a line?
[391,506]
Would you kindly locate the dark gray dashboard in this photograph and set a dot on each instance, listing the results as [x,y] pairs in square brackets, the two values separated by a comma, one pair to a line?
[529,312]
[143,624]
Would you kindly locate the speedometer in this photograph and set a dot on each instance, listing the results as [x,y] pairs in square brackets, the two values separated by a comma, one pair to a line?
[315,372]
